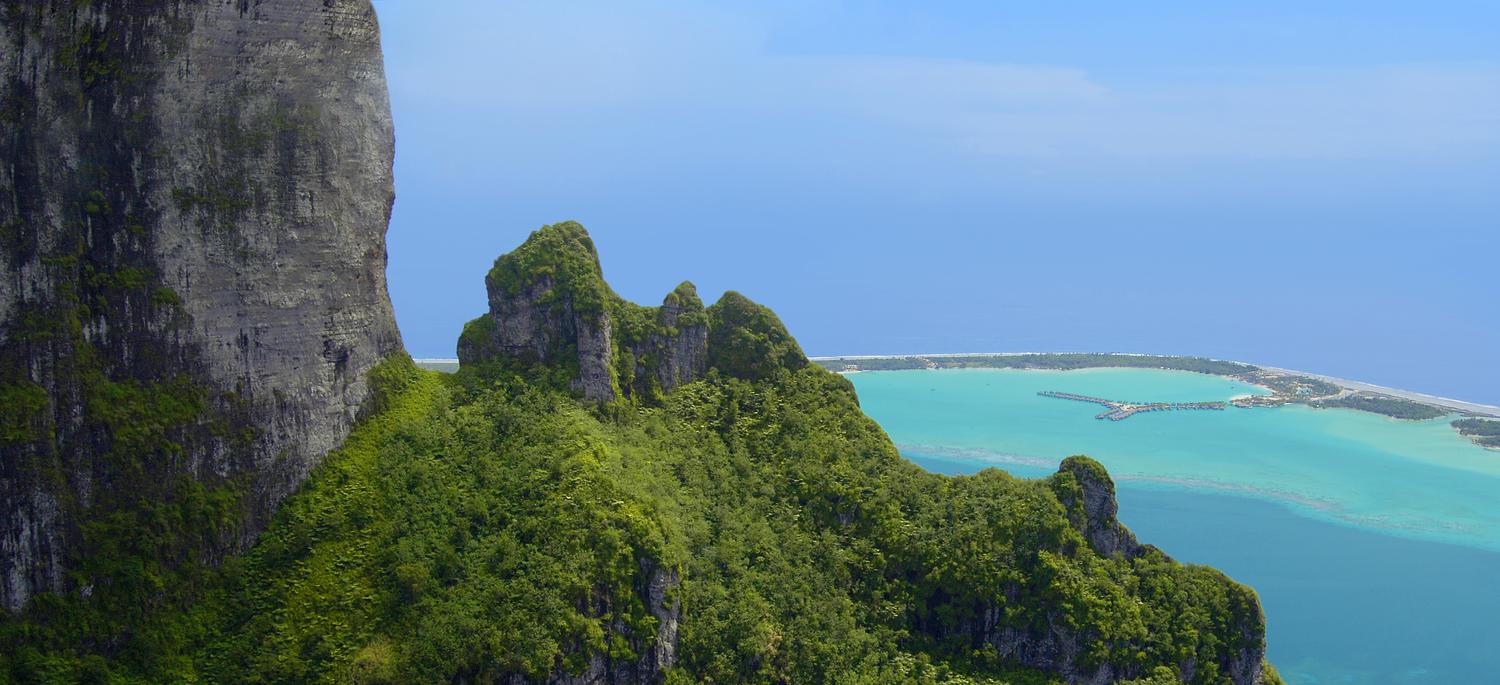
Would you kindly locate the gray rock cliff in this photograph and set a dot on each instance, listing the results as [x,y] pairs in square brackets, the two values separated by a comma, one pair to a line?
[549,304]
[193,206]
[1095,500]
[679,348]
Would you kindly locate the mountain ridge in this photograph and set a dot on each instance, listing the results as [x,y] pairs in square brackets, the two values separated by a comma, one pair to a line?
[747,347]
[549,302]
[748,524]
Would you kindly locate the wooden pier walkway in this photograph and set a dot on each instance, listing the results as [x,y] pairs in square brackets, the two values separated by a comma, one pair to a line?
[1119,411]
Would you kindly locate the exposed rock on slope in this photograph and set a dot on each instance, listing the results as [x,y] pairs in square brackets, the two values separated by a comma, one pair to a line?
[679,347]
[1094,507]
[192,215]
[549,304]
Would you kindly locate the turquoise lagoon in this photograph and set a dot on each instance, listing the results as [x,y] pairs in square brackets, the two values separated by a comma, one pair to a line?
[1374,543]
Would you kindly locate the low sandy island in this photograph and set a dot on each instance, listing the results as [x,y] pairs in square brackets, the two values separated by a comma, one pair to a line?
[1434,400]
[1352,386]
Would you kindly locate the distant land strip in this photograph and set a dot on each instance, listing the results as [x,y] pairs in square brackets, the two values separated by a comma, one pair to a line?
[1287,385]
[1226,367]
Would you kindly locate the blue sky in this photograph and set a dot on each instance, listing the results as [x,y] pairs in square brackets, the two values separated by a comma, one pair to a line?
[1315,187]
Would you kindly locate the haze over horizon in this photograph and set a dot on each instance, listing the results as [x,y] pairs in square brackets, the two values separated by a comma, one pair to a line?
[1303,187]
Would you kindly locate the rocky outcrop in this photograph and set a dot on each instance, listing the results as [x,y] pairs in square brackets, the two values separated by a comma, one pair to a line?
[549,304]
[679,347]
[540,323]
[193,205]
[1048,618]
[659,652]
[1085,489]
[1095,507]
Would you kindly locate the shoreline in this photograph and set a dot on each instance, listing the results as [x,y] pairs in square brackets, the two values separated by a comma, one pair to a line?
[1445,403]
[1423,398]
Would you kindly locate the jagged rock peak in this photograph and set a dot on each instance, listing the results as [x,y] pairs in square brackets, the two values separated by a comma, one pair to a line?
[549,304]
[1094,500]
[561,258]
[678,348]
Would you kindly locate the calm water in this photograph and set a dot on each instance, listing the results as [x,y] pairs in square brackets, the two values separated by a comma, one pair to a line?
[1374,544]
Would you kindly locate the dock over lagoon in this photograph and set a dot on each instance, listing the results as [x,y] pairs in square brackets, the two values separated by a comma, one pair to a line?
[1119,411]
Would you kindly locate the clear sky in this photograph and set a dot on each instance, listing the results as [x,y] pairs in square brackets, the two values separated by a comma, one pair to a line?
[1307,185]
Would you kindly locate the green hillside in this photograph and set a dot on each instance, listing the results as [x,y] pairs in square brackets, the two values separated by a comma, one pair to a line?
[749,526]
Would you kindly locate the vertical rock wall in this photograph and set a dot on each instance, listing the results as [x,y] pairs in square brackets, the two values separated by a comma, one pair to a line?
[193,205]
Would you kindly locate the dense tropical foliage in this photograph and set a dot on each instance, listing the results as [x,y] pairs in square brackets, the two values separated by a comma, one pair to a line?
[1485,432]
[1393,407]
[747,524]
[487,523]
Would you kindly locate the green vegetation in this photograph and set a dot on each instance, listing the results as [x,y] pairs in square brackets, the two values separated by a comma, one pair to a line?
[1484,432]
[747,340]
[1393,407]
[562,254]
[138,415]
[90,51]
[145,542]
[685,297]
[1270,675]
[487,524]
[21,407]
[556,273]
[1293,388]
[481,524]
[104,446]
[1059,361]
[477,336]
[163,296]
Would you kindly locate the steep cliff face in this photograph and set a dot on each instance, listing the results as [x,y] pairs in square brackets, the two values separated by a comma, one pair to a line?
[193,205]
[1090,497]
[679,347]
[549,304]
